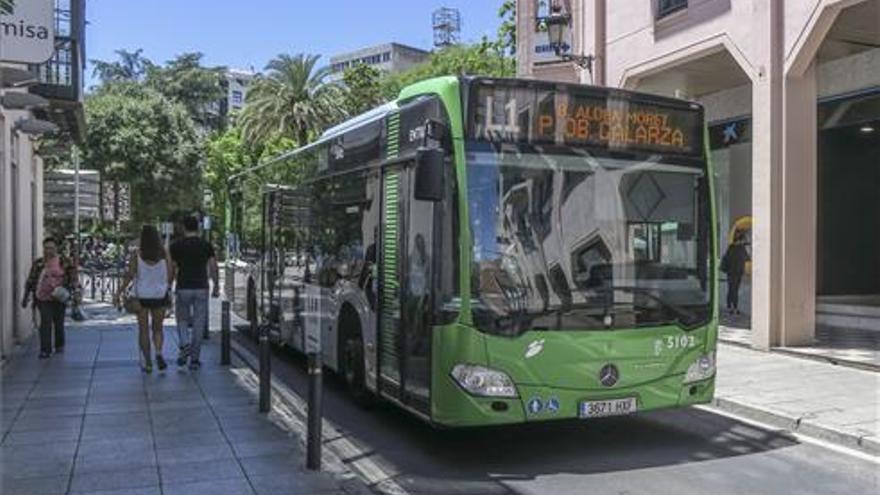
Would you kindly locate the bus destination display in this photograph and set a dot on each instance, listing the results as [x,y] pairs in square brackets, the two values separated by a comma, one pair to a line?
[525,115]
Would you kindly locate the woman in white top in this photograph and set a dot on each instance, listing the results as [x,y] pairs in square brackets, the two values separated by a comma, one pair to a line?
[150,278]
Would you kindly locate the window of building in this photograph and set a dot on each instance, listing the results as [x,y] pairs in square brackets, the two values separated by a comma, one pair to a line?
[730,142]
[667,7]
[386,56]
[236,97]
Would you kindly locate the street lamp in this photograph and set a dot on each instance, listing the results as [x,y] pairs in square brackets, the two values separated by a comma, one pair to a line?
[557,24]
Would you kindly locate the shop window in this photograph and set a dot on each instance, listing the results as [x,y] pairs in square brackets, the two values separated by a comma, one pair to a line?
[668,7]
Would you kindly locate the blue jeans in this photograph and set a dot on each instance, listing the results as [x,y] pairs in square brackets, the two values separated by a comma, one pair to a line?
[191,307]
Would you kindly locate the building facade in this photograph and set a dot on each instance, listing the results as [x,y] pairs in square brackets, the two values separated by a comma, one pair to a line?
[792,96]
[388,57]
[235,84]
[36,100]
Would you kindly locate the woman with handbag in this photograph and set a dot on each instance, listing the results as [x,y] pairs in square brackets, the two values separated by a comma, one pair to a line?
[148,297]
[51,283]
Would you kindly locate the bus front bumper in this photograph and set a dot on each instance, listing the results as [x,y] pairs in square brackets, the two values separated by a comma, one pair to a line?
[539,403]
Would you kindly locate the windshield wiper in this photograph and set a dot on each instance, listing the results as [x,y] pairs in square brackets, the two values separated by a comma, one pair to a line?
[683,315]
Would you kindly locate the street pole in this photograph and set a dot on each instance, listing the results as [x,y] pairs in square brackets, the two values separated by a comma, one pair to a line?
[75,157]
[224,333]
[75,309]
[265,373]
[205,333]
[314,354]
[313,445]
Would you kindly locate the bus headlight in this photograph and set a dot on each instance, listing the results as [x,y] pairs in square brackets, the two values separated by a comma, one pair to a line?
[701,369]
[482,381]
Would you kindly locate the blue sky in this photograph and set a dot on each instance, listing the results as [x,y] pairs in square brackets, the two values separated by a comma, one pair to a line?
[247,33]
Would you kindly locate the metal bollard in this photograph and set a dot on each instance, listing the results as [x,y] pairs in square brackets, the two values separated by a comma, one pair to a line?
[224,333]
[265,375]
[313,446]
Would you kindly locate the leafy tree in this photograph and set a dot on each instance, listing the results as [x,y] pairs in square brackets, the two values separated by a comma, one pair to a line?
[226,154]
[480,59]
[131,66]
[293,99]
[363,85]
[138,136]
[55,150]
[186,81]
[507,30]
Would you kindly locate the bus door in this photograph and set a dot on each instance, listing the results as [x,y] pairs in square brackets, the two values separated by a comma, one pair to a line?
[405,283]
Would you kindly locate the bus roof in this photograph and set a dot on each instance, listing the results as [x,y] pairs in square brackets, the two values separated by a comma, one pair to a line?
[331,133]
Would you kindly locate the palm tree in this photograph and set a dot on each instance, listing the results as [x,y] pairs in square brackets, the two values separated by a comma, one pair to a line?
[132,66]
[291,99]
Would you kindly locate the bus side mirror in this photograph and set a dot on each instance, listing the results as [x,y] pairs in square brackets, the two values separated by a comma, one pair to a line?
[430,183]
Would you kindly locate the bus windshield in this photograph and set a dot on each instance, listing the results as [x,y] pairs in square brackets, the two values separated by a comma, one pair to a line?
[567,239]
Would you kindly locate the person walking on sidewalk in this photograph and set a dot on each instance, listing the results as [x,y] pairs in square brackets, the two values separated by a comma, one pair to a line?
[193,260]
[51,283]
[734,265]
[149,275]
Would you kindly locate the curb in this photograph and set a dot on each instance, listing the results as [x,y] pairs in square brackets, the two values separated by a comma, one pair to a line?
[801,425]
[351,479]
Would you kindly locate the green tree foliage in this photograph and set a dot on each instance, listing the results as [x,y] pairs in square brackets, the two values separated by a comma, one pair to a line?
[226,154]
[292,99]
[55,150]
[186,81]
[363,85]
[139,136]
[480,59]
[131,66]
[507,29]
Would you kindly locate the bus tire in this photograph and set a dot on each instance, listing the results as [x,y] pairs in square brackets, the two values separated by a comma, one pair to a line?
[352,365]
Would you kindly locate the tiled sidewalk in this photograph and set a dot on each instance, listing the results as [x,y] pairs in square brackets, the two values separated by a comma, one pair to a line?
[847,346]
[89,421]
[835,403]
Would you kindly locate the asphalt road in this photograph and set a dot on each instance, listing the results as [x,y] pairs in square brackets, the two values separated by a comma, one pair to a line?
[668,452]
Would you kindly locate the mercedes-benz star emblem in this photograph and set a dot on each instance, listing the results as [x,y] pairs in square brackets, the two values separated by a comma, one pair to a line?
[609,375]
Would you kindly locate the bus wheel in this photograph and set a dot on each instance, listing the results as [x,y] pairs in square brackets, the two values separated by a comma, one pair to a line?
[353,370]
[352,362]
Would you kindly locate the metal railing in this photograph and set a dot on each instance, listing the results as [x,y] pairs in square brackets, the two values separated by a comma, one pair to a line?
[100,283]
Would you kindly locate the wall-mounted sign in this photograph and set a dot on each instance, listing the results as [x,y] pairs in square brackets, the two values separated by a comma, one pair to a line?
[542,51]
[27,33]
[730,133]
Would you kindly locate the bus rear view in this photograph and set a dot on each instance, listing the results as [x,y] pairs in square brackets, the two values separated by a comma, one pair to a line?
[592,248]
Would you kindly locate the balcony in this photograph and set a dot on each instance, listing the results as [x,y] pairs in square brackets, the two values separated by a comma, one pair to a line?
[61,78]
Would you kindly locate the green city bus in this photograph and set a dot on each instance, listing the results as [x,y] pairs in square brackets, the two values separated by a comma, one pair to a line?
[487,251]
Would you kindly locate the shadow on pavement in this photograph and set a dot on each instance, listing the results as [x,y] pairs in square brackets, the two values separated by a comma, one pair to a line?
[480,460]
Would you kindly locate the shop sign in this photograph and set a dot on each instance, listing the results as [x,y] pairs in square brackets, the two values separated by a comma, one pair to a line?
[27,31]
[729,133]
[542,51]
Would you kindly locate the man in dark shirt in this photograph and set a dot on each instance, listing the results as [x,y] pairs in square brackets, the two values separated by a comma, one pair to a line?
[193,259]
